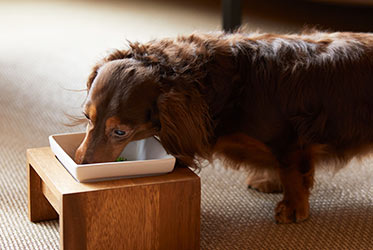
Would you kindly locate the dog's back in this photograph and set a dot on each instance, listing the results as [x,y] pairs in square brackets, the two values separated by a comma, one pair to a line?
[314,88]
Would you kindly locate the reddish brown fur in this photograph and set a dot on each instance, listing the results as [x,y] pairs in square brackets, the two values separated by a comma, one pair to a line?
[272,102]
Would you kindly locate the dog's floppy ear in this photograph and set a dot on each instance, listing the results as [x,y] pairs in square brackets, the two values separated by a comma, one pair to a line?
[185,126]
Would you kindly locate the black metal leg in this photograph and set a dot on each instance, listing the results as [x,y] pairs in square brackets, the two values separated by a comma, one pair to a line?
[231,14]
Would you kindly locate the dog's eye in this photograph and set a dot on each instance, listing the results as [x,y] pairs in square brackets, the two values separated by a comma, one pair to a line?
[119,132]
[86,116]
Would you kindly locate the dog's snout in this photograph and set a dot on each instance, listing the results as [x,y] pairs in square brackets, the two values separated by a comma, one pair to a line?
[83,153]
[79,157]
[81,161]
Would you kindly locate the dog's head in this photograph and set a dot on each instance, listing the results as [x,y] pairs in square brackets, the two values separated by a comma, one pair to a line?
[120,107]
[130,100]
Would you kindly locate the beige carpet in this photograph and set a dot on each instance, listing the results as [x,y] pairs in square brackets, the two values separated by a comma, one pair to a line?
[48,48]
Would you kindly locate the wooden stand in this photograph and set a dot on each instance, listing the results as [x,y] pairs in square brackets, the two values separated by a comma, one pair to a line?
[159,212]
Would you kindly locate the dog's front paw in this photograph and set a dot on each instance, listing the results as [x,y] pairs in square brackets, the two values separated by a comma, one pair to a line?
[290,213]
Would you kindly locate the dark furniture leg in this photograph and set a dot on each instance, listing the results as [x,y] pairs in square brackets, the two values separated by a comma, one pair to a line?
[231,14]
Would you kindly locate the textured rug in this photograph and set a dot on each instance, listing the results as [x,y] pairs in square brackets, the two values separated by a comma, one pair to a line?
[48,49]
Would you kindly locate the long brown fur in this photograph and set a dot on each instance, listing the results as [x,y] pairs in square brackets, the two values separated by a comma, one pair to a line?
[277,103]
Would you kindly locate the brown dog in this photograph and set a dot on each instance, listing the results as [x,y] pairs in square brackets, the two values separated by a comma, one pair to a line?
[275,103]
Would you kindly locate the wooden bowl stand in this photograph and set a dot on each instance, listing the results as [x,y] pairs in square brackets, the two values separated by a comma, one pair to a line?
[158,212]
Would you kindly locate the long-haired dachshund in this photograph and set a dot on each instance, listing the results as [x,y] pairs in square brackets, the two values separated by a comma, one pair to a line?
[277,104]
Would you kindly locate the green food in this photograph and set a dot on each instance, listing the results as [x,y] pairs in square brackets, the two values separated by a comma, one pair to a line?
[121,159]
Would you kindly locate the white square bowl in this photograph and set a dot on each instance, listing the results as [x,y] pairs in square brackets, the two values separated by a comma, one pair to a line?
[144,157]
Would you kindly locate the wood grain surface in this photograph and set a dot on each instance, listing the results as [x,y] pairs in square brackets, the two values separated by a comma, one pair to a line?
[159,212]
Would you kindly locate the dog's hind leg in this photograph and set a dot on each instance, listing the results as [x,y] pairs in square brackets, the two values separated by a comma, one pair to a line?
[296,174]
[266,181]
[239,150]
